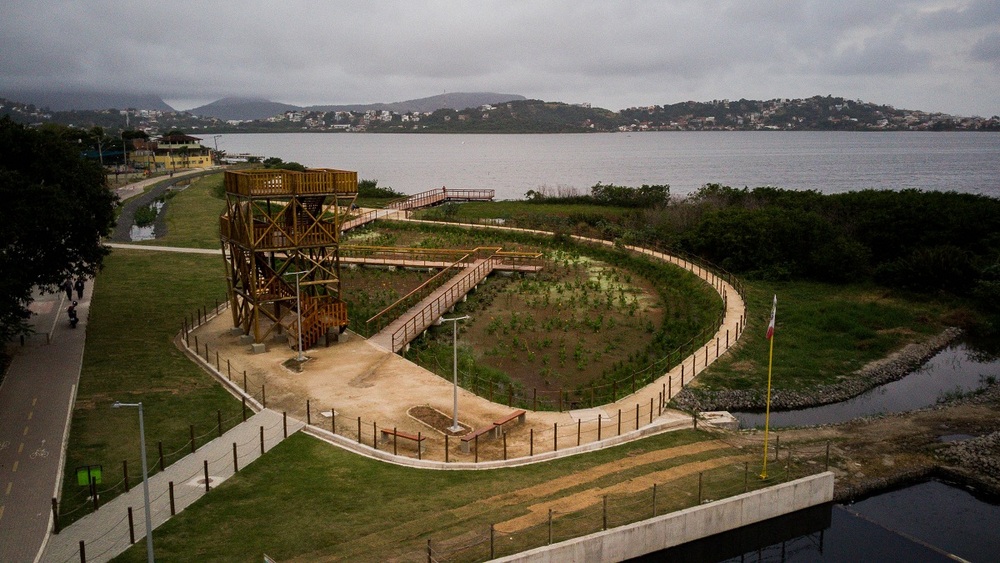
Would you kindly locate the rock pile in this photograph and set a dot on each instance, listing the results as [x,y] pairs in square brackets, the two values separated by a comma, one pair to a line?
[879,372]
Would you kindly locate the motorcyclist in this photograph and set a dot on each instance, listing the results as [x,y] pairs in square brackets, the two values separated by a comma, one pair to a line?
[73,318]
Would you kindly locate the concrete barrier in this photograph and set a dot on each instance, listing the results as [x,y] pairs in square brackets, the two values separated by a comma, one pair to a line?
[687,525]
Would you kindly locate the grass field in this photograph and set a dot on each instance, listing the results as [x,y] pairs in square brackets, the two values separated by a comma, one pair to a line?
[139,302]
[305,500]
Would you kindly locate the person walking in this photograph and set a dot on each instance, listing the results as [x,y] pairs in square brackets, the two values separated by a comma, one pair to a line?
[68,288]
[79,288]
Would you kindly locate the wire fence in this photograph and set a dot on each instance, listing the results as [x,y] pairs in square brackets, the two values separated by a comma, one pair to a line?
[611,510]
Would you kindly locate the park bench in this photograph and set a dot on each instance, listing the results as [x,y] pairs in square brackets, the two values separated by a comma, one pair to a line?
[498,424]
[471,437]
[389,433]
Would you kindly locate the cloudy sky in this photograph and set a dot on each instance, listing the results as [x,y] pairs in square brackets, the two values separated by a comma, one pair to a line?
[934,55]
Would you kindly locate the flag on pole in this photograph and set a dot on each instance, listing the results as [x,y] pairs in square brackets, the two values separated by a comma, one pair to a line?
[770,325]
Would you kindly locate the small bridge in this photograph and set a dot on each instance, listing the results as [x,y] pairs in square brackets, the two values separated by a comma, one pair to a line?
[472,269]
[434,197]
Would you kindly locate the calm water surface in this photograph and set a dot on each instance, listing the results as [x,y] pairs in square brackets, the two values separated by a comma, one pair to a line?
[955,369]
[829,162]
[924,522]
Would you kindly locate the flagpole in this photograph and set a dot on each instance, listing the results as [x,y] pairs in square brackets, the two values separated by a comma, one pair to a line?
[767,412]
[770,359]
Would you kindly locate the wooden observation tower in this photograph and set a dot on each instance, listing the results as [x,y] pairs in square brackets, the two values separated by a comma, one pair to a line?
[281,228]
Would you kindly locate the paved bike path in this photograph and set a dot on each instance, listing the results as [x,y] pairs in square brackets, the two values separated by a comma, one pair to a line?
[36,402]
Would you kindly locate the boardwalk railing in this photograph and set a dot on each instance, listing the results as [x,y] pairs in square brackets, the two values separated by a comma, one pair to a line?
[436,196]
[436,308]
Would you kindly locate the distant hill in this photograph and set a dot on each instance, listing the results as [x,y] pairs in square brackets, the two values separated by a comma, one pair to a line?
[243,109]
[82,101]
[452,100]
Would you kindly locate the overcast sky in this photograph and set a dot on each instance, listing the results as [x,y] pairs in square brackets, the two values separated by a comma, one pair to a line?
[934,55]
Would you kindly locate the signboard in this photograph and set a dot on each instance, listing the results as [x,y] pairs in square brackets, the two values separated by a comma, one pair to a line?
[87,472]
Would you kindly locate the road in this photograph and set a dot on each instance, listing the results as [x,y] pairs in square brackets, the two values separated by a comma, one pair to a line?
[36,401]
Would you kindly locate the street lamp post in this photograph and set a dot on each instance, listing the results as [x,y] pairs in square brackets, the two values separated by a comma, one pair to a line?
[145,478]
[454,345]
[298,310]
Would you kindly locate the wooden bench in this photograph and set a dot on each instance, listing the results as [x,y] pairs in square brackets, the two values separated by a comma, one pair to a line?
[498,424]
[389,433]
[471,437]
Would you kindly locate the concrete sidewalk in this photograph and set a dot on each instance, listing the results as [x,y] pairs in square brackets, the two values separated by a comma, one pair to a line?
[105,533]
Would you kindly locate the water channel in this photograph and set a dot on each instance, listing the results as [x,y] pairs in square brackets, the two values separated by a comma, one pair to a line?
[931,521]
[958,369]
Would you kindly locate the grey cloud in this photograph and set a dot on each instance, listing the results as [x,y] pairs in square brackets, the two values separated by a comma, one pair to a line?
[987,49]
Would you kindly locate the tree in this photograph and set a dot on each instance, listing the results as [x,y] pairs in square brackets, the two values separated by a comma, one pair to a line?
[56,207]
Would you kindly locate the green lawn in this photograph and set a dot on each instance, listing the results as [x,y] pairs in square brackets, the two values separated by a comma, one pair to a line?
[824,333]
[306,500]
[193,214]
[140,300]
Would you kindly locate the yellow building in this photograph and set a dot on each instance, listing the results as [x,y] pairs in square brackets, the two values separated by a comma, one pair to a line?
[169,153]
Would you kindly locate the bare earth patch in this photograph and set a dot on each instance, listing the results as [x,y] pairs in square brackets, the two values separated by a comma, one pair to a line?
[437,420]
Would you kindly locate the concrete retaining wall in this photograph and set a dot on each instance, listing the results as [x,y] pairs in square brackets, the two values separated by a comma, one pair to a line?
[687,525]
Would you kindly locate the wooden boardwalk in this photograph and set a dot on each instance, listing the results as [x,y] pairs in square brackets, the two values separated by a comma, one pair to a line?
[421,316]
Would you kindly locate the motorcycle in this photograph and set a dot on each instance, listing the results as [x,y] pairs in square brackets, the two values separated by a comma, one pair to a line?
[73,317]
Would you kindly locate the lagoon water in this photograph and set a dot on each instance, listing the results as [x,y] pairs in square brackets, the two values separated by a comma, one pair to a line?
[829,162]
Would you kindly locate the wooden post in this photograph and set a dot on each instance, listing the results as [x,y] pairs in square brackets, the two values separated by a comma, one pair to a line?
[637,416]
[217,366]
[599,427]
[333,421]
[236,460]
[261,440]
[244,381]
[579,423]
[374,434]
[55,516]
[284,424]
[229,369]
[654,500]
[208,485]
[160,444]
[604,512]
[359,429]
[173,507]
[445,450]
[419,445]
[131,527]
[394,451]
[650,410]
[83,553]
[531,442]
[550,526]
[476,459]
[555,436]
[619,422]
[308,414]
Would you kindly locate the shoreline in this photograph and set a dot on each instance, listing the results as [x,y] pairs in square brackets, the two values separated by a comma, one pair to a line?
[893,367]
